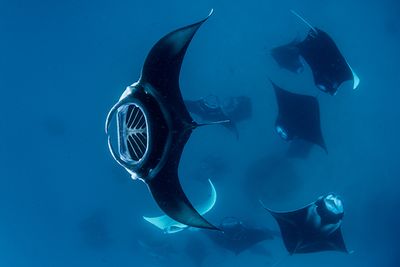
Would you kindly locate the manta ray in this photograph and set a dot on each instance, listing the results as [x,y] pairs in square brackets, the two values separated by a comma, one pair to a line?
[153,126]
[298,117]
[313,228]
[329,67]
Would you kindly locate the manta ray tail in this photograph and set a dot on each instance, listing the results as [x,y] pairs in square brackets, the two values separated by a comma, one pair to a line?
[212,123]
[229,124]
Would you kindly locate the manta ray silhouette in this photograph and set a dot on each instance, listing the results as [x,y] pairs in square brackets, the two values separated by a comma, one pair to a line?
[298,117]
[330,69]
[153,126]
[314,228]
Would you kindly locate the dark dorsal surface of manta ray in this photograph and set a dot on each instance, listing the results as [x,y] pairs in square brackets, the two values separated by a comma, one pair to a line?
[298,117]
[153,126]
[314,228]
[288,56]
[237,236]
[329,67]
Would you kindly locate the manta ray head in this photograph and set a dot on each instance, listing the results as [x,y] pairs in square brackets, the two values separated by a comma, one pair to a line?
[136,131]
[330,208]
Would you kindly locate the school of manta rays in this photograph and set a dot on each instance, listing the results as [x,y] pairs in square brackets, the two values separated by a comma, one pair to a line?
[154,123]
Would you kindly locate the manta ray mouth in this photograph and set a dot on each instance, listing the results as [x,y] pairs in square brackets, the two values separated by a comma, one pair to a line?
[133,133]
[334,204]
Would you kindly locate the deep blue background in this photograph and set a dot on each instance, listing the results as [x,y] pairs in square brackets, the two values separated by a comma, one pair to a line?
[63,64]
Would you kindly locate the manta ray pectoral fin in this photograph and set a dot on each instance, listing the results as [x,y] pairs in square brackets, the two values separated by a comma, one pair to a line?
[166,224]
[171,226]
[169,195]
[289,224]
[288,56]
[275,214]
[209,204]
[356,79]
[162,66]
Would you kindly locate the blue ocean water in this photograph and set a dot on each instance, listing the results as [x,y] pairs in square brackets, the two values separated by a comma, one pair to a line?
[66,202]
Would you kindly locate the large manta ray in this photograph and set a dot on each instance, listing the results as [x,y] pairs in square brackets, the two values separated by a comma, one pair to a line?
[153,126]
[314,228]
[330,69]
[298,117]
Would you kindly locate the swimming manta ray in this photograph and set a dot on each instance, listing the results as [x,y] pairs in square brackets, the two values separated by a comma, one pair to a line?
[298,117]
[153,126]
[330,69]
[314,228]
[171,226]
[237,237]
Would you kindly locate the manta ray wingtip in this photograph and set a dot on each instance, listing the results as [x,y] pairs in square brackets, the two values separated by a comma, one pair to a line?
[205,225]
[273,213]
[208,16]
[263,205]
[272,83]
[214,228]
[356,79]
[148,219]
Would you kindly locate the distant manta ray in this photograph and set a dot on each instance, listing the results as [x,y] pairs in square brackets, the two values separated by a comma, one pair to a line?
[298,117]
[330,69]
[171,226]
[316,227]
[153,126]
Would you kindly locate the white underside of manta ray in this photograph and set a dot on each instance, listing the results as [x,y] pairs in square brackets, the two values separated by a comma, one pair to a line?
[170,226]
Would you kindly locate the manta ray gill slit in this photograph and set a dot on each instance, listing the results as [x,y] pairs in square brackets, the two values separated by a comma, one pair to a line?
[132,133]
